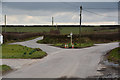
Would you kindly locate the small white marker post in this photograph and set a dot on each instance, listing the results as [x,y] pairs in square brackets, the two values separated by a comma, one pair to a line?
[70,36]
[1,39]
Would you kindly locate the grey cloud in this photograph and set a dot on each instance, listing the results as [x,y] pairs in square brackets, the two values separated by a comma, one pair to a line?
[45,8]
[60,0]
[49,9]
[61,6]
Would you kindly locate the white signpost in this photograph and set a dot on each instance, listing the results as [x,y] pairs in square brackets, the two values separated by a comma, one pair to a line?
[70,36]
[1,39]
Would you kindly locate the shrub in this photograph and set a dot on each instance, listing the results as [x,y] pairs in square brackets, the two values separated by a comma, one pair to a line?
[25,53]
[12,36]
[55,32]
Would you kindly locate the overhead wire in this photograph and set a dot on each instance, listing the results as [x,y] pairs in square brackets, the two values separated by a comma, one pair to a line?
[97,13]
[85,9]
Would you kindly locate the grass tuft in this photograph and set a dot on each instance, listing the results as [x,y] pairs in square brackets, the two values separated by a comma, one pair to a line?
[4,68]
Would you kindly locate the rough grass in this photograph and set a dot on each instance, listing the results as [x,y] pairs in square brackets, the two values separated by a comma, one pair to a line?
[114,55]
[4,68]
[21,52]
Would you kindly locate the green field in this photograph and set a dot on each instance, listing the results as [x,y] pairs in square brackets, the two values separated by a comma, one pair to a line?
[114,55]
[63,30]
[21,52]
[4,68]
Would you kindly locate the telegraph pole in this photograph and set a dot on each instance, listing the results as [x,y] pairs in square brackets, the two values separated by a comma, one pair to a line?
[52,21]
[80,23]
[5,23]
[56,26]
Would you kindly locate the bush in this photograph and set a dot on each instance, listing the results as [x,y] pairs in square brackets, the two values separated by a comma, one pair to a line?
[10,36]
[87,38]
[55,32]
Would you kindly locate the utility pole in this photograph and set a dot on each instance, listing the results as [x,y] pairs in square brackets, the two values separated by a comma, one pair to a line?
[52,21]
[56,26]
[5,23]
[80,23]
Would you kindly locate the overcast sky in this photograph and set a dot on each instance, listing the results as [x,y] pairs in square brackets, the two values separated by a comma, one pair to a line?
[63,12]
[60,0]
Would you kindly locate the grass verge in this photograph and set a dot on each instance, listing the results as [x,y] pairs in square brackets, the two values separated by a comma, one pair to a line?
[114,55]
[4,69]
[75,45]
[21,52]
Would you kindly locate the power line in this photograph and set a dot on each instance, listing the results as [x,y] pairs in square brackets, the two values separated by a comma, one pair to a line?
[91,11]
[69,4]
[88,8]
[74,12]
[97,13]
[100,8]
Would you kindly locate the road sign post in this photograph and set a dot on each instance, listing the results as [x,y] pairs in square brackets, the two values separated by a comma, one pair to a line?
[70,37]
[1,39]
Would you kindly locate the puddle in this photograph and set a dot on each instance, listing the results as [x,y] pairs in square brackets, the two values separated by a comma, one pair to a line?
[111,69]
[107,63]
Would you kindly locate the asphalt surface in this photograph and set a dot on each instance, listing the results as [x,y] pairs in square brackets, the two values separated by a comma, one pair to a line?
[77,63]
[32,43]
[18,63]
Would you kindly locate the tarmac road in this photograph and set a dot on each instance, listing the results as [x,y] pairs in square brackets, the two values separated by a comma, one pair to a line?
[77,63]
[32,43]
